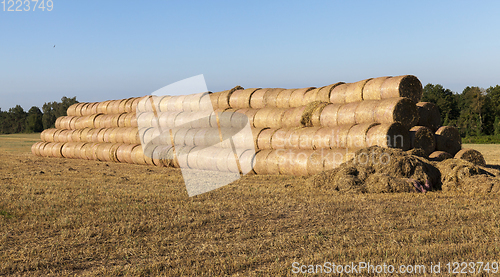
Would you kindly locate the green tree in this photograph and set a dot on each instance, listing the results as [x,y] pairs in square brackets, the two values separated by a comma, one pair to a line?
[496,126]
[16,119]
[53,110]
[34,120]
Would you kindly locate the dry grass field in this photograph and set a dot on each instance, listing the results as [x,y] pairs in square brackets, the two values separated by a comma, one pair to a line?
[61,217]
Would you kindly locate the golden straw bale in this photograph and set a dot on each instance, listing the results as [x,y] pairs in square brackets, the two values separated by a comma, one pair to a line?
[423,138]
[448,140]
[325,92]
[407,86]
[391,135]
[429,115]
[346,114]
[354,91]
[371,90]
[472,156]
[401,110]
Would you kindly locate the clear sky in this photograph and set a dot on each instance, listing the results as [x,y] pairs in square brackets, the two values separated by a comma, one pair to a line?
[119,49]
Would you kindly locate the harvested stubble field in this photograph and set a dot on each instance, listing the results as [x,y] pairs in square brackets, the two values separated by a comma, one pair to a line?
[61,217]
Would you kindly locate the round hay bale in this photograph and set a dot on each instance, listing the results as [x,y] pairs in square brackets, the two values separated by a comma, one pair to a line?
[35,148]
[472,156]
[248,119]
[199,138]
[68,150]
[205,102]
[115,136]
[346,114]
[163,103]
[306,137]
[448,140]
[325,93]
[75,135]
[279,139]
[133,104]
[247,161]
[315,162]
[244,139]
[311,115]
[122,107]
[233,160]
[192,102]
[294,162]
[391,135]
[423,138]
[72,123]
[201,119]
[260,167]
[438,156]
[102,106]
[56,149]
[84,135]
[407,86]
[329,114]
[114,106]
[365,112]
[212,137]
[371,90]
[194,160]
[180,136]
[293,117]
[204,158]
[310,96]
[137,155]
[401,110]
[257,99]
[354,91]
[322,138]
[264,139]
[124,153]
[93,108]
[240,99]
[273,160]
[239,119]
[274,118]
[297,98]
[356,137]
[48,135]
[78,109]
[291,139]
[226,161]
[283,100]
[261,117]
[122,120]
[336,136]
[224,97]
[338,94]
[71,111]
[271,97]
[429,115]
[166,155]
[179,103]
[333,158]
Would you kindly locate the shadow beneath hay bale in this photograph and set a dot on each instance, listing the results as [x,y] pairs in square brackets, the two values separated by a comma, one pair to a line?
[386,170]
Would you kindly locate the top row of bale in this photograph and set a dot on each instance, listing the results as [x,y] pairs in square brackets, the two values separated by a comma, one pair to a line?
[407,86]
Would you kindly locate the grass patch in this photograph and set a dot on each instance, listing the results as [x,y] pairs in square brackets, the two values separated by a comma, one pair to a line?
[482,140]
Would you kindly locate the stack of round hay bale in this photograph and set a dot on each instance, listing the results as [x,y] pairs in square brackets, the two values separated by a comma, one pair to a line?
[258,130]
[104,131]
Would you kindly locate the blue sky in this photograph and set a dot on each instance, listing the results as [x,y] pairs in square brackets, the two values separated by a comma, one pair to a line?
[119,49]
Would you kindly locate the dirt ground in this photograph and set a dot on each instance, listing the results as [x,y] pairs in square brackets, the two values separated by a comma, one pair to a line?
[62,217]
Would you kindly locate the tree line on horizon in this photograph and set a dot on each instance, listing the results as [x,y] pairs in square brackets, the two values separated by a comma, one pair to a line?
[17,120]
[474,112]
